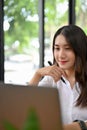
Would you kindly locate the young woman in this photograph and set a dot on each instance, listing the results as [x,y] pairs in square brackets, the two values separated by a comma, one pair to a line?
[69,74]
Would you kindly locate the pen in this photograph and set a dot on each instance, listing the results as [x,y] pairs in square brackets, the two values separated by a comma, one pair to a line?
[61,77]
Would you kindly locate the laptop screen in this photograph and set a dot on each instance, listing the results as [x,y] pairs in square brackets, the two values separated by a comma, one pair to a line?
[29,104]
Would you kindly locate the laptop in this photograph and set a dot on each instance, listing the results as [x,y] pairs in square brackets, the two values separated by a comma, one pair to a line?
[21,104]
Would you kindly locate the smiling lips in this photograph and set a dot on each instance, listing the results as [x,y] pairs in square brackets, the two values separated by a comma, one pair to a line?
[62,62]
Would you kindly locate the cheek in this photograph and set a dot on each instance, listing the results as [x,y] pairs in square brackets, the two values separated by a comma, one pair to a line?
[55,54]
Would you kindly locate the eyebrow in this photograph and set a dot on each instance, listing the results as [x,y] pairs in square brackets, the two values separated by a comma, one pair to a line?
[64,45]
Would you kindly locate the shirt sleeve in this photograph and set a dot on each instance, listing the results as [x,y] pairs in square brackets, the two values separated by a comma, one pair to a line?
[47,81]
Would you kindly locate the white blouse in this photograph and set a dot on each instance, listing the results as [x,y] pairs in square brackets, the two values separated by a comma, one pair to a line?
[68,97]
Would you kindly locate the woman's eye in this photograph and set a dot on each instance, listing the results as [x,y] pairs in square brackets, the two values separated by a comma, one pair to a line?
[67,48]
[56,48]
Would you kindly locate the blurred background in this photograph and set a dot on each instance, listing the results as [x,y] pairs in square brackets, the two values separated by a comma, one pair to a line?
[28,29]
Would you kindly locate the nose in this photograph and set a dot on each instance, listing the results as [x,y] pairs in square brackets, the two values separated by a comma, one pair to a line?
[61,53]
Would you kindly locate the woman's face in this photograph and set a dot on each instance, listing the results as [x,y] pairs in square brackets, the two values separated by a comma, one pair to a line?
[63,53]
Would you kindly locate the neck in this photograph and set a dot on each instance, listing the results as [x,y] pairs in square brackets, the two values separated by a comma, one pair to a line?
[70,73]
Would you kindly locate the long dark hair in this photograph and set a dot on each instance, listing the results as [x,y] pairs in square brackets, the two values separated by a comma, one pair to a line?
[77,39]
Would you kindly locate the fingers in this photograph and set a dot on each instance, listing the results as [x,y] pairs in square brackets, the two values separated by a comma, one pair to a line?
[53,71]
[62,71]
[56,72]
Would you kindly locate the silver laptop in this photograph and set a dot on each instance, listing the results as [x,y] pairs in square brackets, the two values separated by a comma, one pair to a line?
[21,104]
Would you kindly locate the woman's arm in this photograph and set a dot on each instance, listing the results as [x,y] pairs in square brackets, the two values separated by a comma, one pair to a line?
[73,126]
[53,71]
[35,79]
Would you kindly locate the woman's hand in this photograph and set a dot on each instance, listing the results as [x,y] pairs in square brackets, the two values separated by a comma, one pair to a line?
[53,71]
[73,126]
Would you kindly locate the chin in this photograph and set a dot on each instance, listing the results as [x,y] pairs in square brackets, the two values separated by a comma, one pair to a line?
[63,67]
